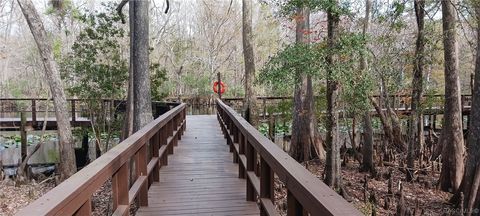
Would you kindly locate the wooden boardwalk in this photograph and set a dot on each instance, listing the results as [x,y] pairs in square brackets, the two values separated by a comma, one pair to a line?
[200,178]
[181,171]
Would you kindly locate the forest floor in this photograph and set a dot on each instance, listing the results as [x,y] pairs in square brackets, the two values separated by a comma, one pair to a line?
[421,197]
[14,197]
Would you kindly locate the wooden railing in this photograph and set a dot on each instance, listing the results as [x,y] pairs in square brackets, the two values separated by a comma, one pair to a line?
[148,148]
[35,107]
[305,192]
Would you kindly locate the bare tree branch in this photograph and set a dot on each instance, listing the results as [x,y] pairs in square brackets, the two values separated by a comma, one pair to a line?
[119,10]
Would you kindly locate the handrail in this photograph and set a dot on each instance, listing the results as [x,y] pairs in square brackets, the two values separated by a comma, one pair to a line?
[75,104]
[73,196]
[305,191]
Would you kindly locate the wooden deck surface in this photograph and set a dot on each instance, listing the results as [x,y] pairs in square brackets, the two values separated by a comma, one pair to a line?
[200,178]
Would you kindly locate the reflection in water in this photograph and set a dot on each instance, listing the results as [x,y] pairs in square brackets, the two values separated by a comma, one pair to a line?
[207,109]
[201,109]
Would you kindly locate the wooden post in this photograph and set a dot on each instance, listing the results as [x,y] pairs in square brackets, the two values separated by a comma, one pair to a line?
[271,126]
[294,208]
[141,163]
[179,123]
[175,128]
[185,119]
[155,148]
[120,187]
[251,161]
[169,134]
[264,108]
[23,135]
[73,110]
[219,80]
[266,183]
[163,142]
[85,209]
[241,151]
[34,113]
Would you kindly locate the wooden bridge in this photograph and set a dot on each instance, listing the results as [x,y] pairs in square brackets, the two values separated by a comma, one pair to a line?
[221,166]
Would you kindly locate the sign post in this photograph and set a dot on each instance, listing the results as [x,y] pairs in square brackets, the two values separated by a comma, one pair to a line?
[219,86]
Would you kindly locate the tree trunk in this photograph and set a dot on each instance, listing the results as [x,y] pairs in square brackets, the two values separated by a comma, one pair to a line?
[452,133]
[367,151]
[250,106]
[142,111]
[67,155]
[128,121]
[471,181]
[332,168]
[415,132]
[306,143]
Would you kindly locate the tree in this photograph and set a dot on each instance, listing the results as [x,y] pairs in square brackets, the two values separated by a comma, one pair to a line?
[333,175]
[249,59]
[96,69]
[367,151]
[471,178]
[415,132]
[452,133]
[67,157]
[139,64]
[305,136]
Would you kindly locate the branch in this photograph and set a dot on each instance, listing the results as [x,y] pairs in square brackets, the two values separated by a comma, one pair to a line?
[168,6]
[119,10]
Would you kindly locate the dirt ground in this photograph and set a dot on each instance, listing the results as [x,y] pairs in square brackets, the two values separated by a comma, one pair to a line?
[421,196]
[13,197]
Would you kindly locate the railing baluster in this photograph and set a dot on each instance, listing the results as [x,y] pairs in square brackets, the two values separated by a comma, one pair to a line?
[294,208]
[120,186]
[235,140]
[266,184]
[163,142]
[155,147]
[241,151]
[175,127]
[141,170]
[235,134]
[169,134]
[185,123]
[85,209]
[250,154]
[180,130]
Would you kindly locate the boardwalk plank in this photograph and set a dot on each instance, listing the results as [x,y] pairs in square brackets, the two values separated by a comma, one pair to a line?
[200,178]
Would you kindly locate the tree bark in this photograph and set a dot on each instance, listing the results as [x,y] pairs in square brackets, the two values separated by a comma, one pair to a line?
[67,155]
[142,111]
[471,181]
[250,100]
[333,176]
[306,142]
[452,133]
[129,107]
[415,132]
[367,151]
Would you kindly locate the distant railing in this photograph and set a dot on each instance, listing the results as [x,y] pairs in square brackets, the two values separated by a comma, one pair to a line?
[148,148]
[306,193]
[35,108]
